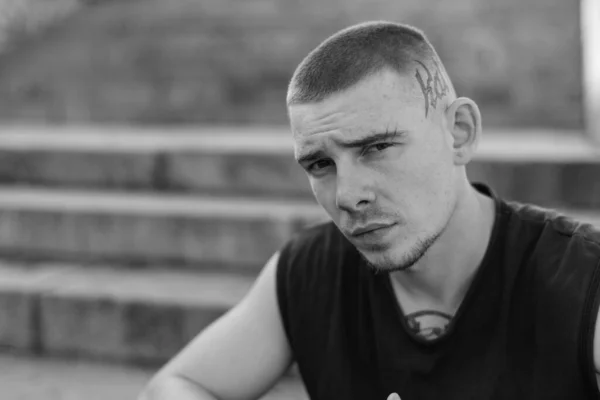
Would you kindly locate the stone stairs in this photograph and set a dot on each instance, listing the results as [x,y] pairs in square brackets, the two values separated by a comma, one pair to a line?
[119,244]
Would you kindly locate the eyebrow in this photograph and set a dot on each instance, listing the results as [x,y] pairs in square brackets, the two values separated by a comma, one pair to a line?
[352,144]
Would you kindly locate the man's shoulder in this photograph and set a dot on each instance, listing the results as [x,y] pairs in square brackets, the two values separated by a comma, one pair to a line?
[556,225]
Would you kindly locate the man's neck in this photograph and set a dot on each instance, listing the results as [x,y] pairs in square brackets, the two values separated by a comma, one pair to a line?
[441,278]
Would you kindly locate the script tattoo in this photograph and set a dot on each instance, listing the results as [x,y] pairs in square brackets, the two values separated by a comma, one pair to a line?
[428,324]
[434,87]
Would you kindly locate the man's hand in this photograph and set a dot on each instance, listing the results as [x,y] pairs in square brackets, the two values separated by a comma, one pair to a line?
[393,396]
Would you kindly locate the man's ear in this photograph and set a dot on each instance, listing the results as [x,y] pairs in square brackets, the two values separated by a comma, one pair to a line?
[464,123]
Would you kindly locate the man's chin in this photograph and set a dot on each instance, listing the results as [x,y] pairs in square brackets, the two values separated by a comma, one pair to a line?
[381,260]
[390,259]
[385,266]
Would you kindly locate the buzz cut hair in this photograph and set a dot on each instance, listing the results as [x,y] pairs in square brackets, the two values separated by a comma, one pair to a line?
[357,52]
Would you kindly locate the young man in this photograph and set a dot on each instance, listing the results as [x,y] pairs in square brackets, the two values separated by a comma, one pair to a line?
[422,284]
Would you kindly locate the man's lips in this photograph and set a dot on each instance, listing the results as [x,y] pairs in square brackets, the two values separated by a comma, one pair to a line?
[361,230]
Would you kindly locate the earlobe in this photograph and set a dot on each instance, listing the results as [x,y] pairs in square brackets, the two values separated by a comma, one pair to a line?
[464,122]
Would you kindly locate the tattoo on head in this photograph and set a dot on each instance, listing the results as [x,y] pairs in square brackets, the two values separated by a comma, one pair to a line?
[428,324]
[434,87]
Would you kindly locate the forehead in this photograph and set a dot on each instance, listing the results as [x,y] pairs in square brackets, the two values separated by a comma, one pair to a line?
[383,102]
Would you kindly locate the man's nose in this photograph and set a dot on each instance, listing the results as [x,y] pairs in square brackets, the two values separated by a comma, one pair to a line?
[353,191]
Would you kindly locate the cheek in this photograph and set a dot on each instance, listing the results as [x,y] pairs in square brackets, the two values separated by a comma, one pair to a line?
[324,192]
[434,162]
[419,182]
[409,174]
[436,188]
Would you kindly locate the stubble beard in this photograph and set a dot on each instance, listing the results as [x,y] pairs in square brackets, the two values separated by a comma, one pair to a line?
[386,264]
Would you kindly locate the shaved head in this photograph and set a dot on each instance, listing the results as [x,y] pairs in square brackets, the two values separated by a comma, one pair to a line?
[362,50]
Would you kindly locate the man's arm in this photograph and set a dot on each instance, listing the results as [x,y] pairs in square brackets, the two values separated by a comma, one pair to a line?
[239,356]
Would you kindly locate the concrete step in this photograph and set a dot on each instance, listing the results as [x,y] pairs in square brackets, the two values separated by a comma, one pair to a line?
[35,378]
[133,316]
[252,161]
[199,232]
[551,168]
[112,315]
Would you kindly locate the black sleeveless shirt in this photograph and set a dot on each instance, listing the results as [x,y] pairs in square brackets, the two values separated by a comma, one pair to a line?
[524,330]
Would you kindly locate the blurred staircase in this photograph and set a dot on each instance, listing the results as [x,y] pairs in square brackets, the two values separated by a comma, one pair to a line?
[121,244]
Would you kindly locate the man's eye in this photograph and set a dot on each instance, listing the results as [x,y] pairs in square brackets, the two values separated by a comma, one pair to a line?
[319,165]
[377,147]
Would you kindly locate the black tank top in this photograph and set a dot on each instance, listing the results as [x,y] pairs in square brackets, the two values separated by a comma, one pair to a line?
[524,330]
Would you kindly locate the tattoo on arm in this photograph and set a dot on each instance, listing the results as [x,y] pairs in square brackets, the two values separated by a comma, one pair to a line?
[434,87]
[428,324]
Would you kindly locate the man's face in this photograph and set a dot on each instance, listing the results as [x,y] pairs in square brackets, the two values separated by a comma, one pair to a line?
[379,166]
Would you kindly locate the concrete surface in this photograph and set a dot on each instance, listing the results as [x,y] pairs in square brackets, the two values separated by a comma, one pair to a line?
[141,228]
[30,378]
[126,315]
[184,61]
